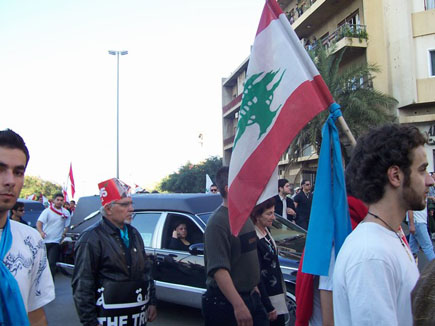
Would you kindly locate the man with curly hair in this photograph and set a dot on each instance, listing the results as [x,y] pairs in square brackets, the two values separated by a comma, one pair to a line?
[375,271]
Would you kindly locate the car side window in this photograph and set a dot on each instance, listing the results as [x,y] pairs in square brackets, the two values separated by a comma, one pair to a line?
[193,233]
[145,223]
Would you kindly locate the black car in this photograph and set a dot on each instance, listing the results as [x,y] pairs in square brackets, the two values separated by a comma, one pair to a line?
[32,210]
[180,275]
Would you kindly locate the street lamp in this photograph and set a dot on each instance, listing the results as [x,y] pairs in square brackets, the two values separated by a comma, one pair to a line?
[117,53]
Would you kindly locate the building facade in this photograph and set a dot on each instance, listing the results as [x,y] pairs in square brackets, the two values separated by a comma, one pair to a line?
[397,35]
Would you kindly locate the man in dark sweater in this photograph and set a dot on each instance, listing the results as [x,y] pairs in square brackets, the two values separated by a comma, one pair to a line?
[284,205]
[232,296]
[303,204]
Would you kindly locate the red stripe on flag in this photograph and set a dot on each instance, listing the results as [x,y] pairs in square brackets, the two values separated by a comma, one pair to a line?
[271,11]
[302,106]
[71,178]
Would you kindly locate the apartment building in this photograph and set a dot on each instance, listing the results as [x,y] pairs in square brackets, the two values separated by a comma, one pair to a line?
[397,35]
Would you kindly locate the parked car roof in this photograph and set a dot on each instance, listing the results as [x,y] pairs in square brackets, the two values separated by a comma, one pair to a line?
[186,203]
[32,210]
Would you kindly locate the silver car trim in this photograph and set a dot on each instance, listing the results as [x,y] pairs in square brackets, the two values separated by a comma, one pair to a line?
[180,287]
[289,268]
[65,265]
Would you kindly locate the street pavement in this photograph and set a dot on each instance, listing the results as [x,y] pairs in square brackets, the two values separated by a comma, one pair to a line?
[62,312]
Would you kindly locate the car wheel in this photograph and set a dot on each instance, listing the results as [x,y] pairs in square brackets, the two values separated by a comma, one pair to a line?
[291,306]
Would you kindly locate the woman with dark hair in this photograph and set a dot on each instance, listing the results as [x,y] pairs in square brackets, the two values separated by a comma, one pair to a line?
[179,235]
[272,286]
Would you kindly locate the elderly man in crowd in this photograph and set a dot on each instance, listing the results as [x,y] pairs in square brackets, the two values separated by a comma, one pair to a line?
[112,282]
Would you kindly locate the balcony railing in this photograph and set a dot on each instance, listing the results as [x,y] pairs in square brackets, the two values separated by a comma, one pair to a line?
[346,30]
[229,140]
[301,6]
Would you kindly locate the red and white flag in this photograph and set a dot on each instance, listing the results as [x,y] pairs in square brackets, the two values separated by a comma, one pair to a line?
[65,195]
[283,92]
[71,179]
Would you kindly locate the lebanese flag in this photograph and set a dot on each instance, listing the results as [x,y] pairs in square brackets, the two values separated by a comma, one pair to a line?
[31,197]
[283,92]
[65,195]
[71,179]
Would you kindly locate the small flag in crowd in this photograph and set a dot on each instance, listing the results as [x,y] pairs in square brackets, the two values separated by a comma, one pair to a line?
[71,179]
[32,197]
[65,195]
[208,183]
[283,92]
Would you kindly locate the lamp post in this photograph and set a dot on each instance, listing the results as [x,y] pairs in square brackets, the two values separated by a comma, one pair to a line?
[117,53]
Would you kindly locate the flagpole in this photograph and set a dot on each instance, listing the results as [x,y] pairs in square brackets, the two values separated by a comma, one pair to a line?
[346,130]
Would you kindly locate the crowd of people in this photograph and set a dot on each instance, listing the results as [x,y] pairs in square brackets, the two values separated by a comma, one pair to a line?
[374,279]
[112,281]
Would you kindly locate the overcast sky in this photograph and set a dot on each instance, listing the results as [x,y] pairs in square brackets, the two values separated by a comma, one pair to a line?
[58,83]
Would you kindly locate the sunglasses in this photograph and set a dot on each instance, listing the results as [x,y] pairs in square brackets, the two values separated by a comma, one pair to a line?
[20,210]
[213,190]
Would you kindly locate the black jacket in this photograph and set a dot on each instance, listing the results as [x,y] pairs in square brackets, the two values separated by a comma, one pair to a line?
[101,256]
[278,207]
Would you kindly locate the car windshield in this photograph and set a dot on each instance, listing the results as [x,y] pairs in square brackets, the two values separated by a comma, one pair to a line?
[289,238]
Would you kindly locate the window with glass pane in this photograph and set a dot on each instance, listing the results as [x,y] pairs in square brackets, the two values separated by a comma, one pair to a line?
[432,62]
[145,223]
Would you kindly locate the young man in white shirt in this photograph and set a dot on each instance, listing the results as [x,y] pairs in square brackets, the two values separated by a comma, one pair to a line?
[375,271]
[52,224]
[25,278]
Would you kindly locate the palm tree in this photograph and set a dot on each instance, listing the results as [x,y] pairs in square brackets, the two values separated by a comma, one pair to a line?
[362,106]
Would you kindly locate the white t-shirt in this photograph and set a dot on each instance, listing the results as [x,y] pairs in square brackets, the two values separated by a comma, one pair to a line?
[325,282]
[420,216]
[54,224]
[373,279]
[27,261]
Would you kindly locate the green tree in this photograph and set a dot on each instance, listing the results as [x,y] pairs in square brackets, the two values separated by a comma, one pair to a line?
[190,178]
[36,185]
[363,107]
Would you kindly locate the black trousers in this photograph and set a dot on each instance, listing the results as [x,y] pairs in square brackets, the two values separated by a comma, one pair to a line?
[280,321]
[53,250]
[218,311]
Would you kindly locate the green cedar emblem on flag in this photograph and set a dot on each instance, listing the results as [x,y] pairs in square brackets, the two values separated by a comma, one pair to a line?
[255,107]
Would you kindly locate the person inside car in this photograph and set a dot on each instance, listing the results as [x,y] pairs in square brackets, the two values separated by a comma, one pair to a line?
[178,240]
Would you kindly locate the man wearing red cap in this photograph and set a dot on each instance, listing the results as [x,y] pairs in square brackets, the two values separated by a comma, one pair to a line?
[112,282]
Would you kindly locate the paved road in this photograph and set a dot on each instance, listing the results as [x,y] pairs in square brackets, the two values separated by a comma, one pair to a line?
[61,312]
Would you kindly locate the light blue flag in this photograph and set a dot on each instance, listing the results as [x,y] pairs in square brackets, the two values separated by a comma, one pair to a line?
[329,219]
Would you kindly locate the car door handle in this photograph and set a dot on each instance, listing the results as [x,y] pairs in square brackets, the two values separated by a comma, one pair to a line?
[160,258]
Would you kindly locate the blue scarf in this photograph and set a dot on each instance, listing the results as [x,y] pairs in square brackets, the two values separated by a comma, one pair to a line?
[12,310]
[124,236]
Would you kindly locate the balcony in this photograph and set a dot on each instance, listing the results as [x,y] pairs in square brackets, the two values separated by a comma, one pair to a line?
[347,35]
[308,15]
[423,23]
[228,142]
[425,90]
[230,107]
